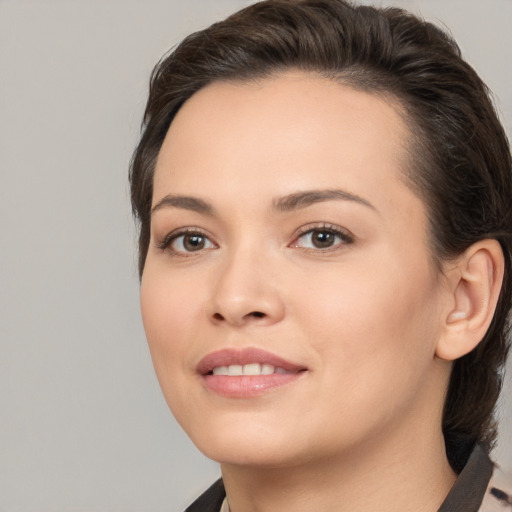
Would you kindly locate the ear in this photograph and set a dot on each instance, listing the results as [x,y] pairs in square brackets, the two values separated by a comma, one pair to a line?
[474,286]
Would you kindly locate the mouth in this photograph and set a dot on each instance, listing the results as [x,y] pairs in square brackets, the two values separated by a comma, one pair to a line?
[246,373]
[236,370]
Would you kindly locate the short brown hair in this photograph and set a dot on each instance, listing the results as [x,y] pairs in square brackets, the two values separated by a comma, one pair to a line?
[460,165]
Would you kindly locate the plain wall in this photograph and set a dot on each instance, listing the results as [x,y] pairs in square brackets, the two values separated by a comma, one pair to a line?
[83,425]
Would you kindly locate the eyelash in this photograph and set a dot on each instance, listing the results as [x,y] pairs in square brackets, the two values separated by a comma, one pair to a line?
[343,235]
[166,243]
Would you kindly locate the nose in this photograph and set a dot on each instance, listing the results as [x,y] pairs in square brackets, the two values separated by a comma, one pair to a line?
[245,292]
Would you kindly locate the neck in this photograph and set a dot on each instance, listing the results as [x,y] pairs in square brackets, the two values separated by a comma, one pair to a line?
[397,474]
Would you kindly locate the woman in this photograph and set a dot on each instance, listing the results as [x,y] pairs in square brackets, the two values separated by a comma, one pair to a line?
[323,194]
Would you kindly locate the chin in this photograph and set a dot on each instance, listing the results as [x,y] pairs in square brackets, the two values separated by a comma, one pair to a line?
[248,445]
[255,456]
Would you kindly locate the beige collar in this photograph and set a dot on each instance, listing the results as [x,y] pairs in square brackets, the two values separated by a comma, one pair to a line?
[225,506]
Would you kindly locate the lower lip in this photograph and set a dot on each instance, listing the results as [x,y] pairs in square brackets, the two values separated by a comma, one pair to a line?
[246,386]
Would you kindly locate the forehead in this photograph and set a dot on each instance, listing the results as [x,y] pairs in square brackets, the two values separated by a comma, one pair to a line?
[291,130]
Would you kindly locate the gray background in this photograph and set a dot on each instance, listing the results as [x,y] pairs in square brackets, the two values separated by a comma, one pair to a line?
[83,425]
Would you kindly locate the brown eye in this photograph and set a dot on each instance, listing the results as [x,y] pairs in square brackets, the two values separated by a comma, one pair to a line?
[322,238]
[190,242]
[193,242]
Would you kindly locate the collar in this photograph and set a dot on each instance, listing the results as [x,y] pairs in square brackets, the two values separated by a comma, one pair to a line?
[468,492]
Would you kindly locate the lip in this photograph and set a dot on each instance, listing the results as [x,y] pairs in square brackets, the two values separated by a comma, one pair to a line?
[246,386]
[227,357]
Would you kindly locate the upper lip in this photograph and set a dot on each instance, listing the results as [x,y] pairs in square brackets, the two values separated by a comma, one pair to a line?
[228,357]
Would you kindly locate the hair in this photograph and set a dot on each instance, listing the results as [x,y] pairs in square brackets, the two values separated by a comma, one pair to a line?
[460,161]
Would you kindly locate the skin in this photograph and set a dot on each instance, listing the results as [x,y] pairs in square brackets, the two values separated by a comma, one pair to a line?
[361,428]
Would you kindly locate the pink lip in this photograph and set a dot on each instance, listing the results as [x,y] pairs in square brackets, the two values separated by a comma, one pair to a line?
[246,386]
[228,357]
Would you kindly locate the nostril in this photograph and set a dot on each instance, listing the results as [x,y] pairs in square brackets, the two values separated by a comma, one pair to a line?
[218,317]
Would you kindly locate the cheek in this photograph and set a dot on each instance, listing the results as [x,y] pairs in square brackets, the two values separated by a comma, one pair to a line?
[171,308]
[374,336]
[374,327]
[167,313]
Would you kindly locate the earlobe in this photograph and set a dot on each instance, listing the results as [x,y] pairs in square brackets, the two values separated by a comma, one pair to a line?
[475,284]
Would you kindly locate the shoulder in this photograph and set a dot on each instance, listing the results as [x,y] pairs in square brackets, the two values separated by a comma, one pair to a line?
[211,500]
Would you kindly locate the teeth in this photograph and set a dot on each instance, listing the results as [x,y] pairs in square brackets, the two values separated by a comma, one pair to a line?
[267,369]
[235,369]
[252,369]
[220,370]
[247,369]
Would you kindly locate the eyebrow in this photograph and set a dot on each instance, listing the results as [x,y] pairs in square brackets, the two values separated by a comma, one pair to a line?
[193,204]
[295,201]
[304,199]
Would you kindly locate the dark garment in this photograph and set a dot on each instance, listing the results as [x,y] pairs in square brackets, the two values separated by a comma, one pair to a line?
[211,500]
[466,495]
[468,492]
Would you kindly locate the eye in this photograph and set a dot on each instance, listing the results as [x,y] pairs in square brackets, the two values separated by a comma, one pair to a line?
[322,238]
[186,242]
[191,242]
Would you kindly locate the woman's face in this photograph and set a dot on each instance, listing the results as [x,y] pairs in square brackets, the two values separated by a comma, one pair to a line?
[286,246]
